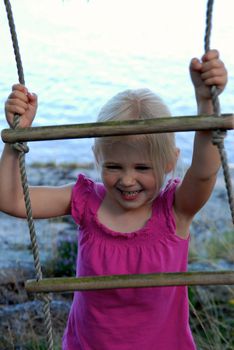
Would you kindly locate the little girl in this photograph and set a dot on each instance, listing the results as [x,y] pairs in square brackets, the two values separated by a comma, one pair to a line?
[131,223]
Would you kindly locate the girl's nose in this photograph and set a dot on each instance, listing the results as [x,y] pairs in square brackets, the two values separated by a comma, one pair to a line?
[127,179]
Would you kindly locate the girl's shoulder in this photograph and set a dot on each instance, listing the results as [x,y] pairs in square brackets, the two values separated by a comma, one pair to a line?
[83,184]
[167,194]
[181,226]
[85,193]
[163,205]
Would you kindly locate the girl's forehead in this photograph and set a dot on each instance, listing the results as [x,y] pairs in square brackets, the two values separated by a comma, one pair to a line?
[124,150]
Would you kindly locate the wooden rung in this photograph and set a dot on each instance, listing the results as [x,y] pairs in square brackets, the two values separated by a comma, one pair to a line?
[71,284]
[115,128]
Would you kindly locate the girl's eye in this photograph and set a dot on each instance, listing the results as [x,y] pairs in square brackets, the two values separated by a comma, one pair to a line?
[143,167]
[112,167]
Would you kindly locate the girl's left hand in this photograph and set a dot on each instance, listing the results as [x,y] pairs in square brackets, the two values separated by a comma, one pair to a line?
[208,71]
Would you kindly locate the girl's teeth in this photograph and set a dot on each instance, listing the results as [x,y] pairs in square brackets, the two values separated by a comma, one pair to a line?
[130,193]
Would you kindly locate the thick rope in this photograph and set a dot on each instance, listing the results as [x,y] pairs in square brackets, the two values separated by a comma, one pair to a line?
[218,135]
[22,148]
[218,139]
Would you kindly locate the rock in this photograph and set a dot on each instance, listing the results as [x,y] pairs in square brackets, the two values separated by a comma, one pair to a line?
[23,323]
[12,279]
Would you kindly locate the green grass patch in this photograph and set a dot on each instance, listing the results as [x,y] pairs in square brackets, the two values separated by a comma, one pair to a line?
[221,246]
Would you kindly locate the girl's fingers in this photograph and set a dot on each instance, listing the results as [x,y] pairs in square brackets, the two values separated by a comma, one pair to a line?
[195,64]
[217,81]
[212,61]
[16,105]
[211,54]
[18,95]
[32,99]
[212,73]
[12,109]
[23,103]
[11,103]
[19,87]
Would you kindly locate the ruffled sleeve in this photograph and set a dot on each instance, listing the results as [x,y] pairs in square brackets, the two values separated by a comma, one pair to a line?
[80,196]
[167,197]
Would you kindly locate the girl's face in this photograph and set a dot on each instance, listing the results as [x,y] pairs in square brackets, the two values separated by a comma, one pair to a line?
[128,175]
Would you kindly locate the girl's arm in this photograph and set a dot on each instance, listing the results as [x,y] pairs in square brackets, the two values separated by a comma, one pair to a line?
[200,178]
[46,201]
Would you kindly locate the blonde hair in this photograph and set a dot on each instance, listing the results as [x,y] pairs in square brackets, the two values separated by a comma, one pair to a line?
[141,104]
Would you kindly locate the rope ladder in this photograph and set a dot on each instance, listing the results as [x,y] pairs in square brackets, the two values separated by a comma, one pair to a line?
[218,122]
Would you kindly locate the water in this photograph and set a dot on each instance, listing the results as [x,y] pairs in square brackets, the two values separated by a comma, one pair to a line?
[77,54]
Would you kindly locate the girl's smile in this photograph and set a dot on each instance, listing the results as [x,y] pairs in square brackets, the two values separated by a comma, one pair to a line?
[129,195]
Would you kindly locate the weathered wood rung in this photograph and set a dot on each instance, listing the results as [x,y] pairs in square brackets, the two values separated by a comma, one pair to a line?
[115,128]
[71,284]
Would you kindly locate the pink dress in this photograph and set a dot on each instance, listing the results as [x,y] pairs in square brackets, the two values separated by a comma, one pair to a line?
[128,319]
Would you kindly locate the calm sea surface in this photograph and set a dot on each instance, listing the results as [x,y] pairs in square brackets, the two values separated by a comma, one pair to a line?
[77,54]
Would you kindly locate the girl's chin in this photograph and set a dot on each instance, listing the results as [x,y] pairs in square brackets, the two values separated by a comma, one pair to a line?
[133,202]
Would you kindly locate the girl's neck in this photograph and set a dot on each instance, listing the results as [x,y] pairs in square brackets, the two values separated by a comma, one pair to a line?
[119,219]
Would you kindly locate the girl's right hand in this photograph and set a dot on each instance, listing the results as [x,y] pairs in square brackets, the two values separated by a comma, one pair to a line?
[21,102]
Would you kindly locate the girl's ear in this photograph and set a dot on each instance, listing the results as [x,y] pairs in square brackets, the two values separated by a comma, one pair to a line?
[171,166]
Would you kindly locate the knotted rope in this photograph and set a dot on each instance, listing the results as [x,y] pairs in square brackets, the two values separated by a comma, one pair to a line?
[218,139]
[218,135]
[22,148]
